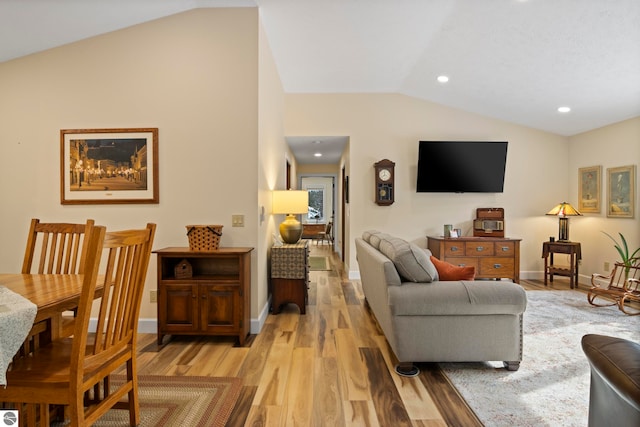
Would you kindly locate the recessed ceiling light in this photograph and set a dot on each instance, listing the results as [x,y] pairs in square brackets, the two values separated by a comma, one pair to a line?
[564,109]
[317,155]
[443,79]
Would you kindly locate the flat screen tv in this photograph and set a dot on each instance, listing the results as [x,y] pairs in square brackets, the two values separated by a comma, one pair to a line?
[461,166]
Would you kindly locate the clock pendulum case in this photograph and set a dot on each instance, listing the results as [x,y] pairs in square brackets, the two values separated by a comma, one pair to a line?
[385,177]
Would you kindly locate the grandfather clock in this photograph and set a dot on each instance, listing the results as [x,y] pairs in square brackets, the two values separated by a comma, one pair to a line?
[385,177]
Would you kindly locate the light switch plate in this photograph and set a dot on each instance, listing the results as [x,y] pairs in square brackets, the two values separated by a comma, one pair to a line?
[237,220]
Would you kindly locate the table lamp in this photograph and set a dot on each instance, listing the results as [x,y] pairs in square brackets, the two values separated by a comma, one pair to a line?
[290,202]
[563,211]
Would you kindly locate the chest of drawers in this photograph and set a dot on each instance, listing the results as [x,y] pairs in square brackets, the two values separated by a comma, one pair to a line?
[493,258]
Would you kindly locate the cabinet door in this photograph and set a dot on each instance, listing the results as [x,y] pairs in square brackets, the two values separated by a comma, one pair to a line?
[220,308]
[178,305]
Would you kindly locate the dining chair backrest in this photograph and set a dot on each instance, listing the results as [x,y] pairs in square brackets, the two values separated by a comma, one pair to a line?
[58,248]
[127,260]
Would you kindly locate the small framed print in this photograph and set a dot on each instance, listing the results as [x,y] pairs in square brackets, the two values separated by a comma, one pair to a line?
[589,193]
[109,166]
[621,183]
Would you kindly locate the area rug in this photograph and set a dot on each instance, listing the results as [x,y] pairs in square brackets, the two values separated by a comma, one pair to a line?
[179,401]
[551,388]
[319,263]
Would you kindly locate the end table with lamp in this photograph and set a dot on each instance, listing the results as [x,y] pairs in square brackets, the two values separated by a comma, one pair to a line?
[562,246]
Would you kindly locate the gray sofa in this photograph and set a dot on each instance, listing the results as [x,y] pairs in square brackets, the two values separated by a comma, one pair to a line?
[428,320]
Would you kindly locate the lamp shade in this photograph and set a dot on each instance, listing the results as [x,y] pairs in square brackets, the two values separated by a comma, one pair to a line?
[564,209]
[290,202]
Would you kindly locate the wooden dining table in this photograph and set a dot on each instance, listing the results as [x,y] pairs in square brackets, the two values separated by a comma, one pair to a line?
[53,294]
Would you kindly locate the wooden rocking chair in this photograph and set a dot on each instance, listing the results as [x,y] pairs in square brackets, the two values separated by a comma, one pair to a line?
[620,287]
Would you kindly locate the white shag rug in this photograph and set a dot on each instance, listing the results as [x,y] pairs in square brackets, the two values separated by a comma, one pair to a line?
[551,388]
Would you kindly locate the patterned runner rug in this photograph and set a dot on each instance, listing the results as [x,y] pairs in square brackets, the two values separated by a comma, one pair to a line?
[179,401]
[319,263]
[551,388]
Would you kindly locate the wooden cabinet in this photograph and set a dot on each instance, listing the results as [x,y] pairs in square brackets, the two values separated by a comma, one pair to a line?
[213,297]
[289,275]
[493,258]
[312,231]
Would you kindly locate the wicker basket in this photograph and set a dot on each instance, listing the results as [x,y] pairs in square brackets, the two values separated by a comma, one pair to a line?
[204,238]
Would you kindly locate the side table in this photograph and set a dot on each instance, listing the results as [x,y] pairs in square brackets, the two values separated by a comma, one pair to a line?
[289,275]
[550,268]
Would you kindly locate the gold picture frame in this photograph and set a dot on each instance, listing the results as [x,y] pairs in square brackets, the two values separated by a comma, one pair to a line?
[589,191]
[621,183]
[109,166]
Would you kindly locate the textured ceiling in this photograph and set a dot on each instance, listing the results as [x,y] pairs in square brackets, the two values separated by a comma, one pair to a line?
[515,60]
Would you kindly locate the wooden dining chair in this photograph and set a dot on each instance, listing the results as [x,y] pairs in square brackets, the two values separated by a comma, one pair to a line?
[327,234]
[618,288]
[65,372]
[56,248]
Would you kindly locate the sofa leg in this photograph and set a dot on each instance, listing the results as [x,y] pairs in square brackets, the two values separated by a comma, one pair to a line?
[407,369]
[511,366]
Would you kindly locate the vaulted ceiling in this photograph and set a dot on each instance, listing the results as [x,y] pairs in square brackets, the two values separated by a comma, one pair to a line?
[515,60]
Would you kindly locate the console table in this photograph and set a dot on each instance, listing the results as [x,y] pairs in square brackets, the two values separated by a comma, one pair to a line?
[550,268]
[289,275]
[204,293]
[493,257]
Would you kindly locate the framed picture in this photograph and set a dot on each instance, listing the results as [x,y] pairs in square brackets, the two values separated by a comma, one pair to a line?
[589,193]
[108,166]
[621,183]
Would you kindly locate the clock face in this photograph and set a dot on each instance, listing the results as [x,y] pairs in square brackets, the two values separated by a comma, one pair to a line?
[384,174]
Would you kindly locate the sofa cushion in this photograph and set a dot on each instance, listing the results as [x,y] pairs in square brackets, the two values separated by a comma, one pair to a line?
[457,298]
[376,239]
[366,235]
[448,271]
[411,261]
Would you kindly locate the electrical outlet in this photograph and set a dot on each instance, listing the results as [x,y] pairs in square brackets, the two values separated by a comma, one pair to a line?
[153,296]
[606,266]
[237,220]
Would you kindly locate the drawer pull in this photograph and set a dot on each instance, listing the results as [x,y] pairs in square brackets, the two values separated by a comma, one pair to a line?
[505,249]
[462,265]
[454,249]
[497,265]
[479,248]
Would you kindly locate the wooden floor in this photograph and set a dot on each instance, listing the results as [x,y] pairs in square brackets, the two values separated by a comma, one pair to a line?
[330,367]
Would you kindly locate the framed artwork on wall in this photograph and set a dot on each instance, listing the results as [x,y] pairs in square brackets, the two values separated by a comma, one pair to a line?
[621,183]
[589,193]
[109,166]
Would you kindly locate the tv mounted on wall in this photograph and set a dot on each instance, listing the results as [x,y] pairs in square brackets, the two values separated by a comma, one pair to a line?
[461,166]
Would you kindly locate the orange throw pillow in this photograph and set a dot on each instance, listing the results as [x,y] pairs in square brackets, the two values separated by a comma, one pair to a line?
[448,271]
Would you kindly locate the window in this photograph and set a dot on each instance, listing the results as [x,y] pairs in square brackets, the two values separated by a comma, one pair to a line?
[316,204]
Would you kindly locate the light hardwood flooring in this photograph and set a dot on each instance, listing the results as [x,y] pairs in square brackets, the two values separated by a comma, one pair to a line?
[329,367]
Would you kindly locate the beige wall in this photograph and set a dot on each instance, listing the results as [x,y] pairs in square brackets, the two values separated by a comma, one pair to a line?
[610,147]
[273,153]
[541,172]
[389,126]
[195,77]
